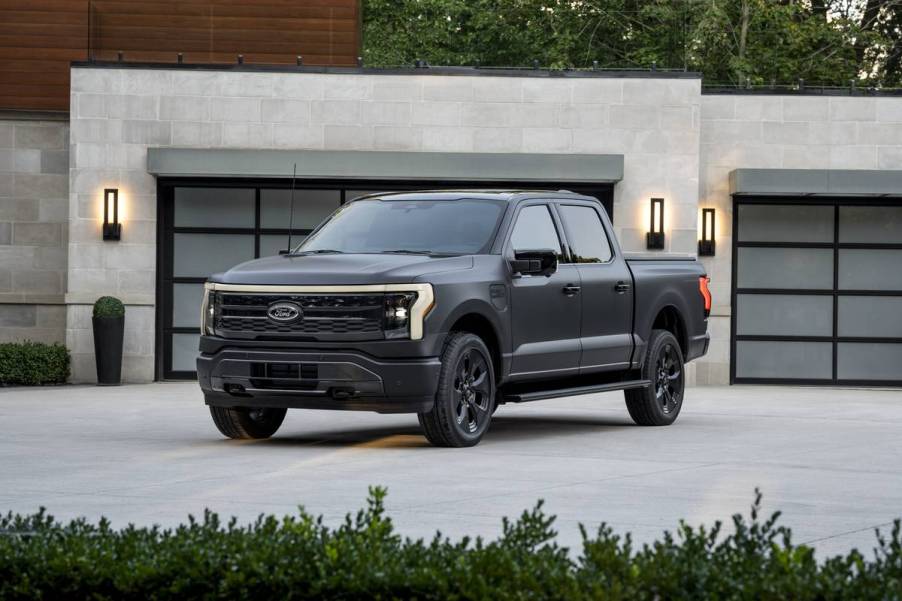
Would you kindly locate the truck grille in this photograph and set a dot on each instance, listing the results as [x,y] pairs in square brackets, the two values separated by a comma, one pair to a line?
[324,316]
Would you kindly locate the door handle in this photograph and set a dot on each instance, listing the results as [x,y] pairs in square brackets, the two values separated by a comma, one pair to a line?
[621,287]
[571,290]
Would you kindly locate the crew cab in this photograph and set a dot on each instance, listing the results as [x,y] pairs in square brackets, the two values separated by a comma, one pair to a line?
[448,304]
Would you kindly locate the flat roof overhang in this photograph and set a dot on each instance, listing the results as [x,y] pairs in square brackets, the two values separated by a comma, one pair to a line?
[815,182]
[379,165]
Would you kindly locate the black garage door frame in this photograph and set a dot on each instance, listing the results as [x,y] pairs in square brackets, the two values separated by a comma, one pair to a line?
[166,231]
[835,339]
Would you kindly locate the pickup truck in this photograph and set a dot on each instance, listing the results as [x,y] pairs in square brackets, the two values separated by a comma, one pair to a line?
[447,304]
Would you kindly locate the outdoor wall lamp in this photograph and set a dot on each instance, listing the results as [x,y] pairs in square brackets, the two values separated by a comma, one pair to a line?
[654,239]
[706,244]
[112,229]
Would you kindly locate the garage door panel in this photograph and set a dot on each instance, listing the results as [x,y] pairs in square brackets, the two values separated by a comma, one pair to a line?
[214,207]
[184,352]
[785,223]
[199,255]
[784,315]
[186,301]
[784,360]
[870,316]
[310,207]
[870,225]
[869,361]
[870,269]
[785,268]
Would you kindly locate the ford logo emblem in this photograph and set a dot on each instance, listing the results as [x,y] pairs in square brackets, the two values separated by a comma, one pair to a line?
[284,312]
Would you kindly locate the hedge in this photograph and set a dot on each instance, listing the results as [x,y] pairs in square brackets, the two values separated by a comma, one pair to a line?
[298,557]
[108,306]
[33,363]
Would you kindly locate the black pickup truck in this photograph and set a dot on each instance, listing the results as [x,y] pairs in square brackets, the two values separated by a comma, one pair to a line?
[448,304]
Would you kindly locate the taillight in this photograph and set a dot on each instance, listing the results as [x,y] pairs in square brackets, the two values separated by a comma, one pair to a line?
[706,294]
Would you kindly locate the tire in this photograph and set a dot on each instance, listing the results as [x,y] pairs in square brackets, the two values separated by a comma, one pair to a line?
[465,399]
[659,403]
[242,424]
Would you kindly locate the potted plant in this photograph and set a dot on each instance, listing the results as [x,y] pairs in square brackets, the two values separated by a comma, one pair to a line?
[109,326]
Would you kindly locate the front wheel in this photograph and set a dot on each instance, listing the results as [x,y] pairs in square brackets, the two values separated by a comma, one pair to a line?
[240,423]
[465,399]
[659,403]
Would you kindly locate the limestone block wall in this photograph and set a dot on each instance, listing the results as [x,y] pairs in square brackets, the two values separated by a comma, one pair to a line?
[34,210]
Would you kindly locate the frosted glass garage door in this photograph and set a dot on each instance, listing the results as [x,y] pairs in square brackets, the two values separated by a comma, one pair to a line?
[818,292]
[210,229]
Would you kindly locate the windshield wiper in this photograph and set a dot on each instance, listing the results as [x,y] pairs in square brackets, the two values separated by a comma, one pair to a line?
[404,251]
[318,251]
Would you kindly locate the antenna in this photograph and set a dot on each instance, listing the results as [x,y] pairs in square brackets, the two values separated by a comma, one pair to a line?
[294,174]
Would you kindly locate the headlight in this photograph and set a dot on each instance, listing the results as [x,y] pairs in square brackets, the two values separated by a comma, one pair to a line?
[208,313]
[396,314]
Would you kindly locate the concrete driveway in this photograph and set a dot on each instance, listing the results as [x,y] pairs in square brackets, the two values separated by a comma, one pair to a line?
[830,459]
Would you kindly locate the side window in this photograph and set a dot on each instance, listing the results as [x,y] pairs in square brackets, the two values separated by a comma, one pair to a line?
[588,241]
[535,230]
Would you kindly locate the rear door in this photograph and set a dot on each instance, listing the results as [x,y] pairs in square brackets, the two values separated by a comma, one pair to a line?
[607,307]
[545,310]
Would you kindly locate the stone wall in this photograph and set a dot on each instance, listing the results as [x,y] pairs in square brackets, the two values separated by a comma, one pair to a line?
[34,206]
[790,132]
[117,114]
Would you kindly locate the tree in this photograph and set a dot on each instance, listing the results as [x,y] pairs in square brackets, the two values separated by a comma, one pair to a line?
[728,41]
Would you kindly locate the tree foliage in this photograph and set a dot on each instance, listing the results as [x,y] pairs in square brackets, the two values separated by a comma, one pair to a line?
[827,42]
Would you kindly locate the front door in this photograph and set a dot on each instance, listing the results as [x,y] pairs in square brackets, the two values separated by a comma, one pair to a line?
[607,308]
[545,310]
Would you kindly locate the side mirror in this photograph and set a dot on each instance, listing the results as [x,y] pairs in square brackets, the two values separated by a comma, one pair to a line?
[535,262]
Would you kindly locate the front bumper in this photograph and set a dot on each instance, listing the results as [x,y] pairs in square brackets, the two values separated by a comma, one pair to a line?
[316,379]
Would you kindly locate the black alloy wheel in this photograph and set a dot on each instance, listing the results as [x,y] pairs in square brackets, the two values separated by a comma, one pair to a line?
[659,403]
[465,398]
[472,397]
[669,380]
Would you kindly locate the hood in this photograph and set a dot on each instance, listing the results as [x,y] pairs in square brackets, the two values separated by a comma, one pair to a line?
[338,270]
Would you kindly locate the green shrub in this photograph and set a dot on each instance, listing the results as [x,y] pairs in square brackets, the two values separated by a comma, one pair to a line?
[364,558]
[33,363]
[108,306]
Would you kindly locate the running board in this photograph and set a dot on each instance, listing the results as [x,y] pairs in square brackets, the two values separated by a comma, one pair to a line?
[525,397]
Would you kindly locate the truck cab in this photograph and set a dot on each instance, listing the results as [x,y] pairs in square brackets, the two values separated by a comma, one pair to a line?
[448,304]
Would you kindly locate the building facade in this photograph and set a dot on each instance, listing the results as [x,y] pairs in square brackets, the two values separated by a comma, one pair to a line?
[807,269]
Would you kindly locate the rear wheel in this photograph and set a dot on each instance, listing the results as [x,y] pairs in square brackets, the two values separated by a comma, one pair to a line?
[240,423]
[659,403]
[465,399]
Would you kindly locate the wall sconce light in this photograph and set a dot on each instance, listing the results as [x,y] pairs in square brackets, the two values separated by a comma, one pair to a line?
[706,244]
[654,239]
[112,229]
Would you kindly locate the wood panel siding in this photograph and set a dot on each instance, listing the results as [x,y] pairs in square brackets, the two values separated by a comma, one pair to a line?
[39,38]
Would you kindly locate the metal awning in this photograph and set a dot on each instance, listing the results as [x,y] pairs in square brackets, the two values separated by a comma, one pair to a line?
[375,165]
[815,182]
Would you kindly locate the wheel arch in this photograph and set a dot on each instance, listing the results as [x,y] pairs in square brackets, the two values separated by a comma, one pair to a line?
[480,325]
[670,319]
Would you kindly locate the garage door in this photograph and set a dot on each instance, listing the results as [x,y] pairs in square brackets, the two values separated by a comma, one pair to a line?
[817,291]
[207,226]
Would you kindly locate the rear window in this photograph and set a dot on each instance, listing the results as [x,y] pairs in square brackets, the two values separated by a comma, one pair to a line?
[586,235]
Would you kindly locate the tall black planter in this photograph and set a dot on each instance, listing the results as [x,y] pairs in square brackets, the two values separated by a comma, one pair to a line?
[108,333]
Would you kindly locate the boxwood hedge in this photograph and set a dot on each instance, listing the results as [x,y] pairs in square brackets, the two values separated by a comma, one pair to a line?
[299,557]
[33,363]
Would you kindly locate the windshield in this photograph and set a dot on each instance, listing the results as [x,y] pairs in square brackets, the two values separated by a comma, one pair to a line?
[456,227]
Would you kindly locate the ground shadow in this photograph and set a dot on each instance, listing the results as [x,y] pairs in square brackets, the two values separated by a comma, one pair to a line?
[505,428]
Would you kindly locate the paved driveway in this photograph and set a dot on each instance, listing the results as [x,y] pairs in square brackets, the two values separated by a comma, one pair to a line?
[830,459]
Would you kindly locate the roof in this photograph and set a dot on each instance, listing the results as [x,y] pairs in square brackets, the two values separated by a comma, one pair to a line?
[475,194]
